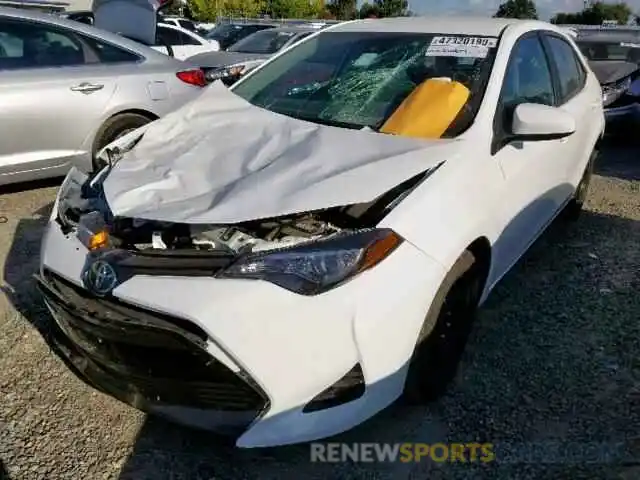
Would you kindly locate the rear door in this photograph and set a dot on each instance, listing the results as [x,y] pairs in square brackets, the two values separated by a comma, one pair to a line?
[52,90]
[574,96]
[535,179]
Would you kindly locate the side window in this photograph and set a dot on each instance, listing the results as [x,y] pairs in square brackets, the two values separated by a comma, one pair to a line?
[570,72]
[528,77]
[187,24]
[108,53]
[168,36]
[11,46]
[188,39]
[36,45]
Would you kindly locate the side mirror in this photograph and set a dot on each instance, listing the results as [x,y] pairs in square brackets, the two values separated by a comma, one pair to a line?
[532,121]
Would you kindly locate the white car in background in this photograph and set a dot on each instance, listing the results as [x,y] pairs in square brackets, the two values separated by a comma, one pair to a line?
[179,22]
[184,43]
[288,257]
[139,20]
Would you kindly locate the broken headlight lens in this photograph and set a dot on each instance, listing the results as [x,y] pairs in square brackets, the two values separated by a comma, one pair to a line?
[610,93]
[225,72]
[317,266]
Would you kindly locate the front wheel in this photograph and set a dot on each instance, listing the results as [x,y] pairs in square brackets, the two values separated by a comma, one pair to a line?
[437,353]
[114,128]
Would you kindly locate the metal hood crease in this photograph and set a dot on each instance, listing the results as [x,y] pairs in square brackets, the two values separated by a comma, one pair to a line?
[219,159]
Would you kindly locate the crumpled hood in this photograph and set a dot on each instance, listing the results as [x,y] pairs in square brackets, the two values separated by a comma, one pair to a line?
[220,159]
[223,59]
[611,71]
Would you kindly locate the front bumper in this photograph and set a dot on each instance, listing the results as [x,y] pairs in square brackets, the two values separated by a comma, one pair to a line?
[153,362]
[625,113]
[267,351]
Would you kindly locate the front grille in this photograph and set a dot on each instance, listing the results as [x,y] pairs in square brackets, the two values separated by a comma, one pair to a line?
[142,357]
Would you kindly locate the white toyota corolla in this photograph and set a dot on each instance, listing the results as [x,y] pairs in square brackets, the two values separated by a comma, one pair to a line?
[285,259]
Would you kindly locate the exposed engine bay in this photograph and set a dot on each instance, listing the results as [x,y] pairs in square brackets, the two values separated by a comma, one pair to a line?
[236,239]
[82,207]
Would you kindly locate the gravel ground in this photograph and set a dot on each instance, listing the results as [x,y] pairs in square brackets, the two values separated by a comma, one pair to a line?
[553,358]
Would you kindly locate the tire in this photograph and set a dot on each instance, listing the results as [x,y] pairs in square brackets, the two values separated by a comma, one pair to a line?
[573,209]
[114,128]
[437,353]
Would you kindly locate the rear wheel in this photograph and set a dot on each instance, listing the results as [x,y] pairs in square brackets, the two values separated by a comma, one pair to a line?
[114,128]
[437,353]
[573,209]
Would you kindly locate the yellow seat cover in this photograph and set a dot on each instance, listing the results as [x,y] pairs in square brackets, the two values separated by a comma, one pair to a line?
[429,110]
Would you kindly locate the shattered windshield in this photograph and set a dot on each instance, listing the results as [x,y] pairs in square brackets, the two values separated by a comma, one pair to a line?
[601,51]
[358,79]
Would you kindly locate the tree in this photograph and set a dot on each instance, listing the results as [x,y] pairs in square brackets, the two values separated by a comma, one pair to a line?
[517,9]
[596,14]
[294,8]
[392,8]
[209,10]
[342,9]
[384,8]
[369,10]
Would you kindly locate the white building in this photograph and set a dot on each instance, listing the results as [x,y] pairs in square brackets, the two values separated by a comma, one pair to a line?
[46,5]
[79,4]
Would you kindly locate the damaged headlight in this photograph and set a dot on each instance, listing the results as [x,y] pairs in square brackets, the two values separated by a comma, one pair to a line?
[611,93]
[318,266]
[226,72]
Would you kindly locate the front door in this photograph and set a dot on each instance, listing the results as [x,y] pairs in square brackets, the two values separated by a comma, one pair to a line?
[534,171]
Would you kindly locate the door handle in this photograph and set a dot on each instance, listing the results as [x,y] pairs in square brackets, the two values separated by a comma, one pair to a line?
[86,87]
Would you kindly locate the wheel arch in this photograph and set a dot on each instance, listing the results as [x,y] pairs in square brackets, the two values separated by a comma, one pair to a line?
[481,250]
[138,111]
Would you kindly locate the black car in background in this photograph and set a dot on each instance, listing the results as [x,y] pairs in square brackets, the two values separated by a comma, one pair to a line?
[614,57]
[226,34]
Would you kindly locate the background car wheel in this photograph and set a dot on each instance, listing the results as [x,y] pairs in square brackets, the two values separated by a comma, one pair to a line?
[114,128]
[574,207]
[437,353]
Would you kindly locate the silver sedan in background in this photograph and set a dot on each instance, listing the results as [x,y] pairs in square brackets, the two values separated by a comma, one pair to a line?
[69,89]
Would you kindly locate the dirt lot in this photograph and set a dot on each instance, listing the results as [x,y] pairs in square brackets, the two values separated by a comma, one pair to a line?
[554,358]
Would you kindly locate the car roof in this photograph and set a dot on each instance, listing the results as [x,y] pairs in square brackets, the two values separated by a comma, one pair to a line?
[139,48]
[435,24]
[247,24]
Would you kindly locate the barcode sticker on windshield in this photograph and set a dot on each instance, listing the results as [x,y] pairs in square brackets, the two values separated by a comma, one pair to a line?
[476,47]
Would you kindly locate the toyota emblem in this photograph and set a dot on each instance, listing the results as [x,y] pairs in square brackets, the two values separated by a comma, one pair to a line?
[100,278]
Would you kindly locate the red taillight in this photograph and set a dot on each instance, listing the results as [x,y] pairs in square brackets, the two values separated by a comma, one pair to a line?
[193,77]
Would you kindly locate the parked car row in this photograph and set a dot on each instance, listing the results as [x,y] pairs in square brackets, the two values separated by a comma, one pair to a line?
[614,56]
[171,37]
[246,54]
[362,193]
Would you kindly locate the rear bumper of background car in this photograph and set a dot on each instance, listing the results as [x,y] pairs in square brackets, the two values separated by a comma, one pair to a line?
[242,356]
